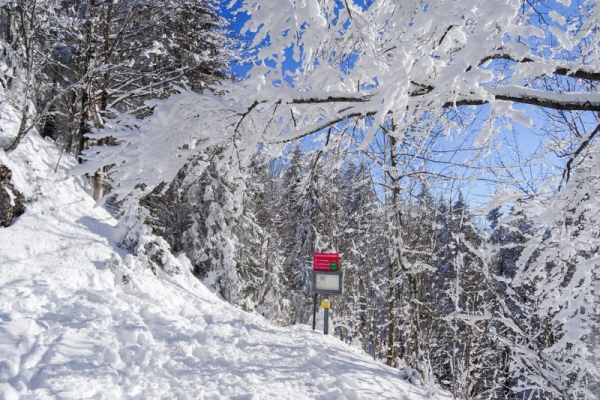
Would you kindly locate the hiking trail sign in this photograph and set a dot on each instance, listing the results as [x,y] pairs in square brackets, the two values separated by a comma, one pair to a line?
[326,262]
[327,279]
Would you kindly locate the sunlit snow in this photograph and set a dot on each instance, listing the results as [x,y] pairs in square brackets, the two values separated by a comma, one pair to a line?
[82,318]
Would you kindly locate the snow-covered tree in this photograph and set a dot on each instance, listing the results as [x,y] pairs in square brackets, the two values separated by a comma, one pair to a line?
[360,227]
[556,279]
[28,39]
[270,290]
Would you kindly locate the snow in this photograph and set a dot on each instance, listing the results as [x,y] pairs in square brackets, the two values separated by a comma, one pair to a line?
[11,196]
[82,318]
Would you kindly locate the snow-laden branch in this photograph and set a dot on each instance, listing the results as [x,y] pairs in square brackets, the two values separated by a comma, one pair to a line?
[558,101]
[360,105]
[390,60]
[545,67]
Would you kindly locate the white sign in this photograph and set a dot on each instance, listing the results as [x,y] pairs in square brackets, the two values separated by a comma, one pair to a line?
[327,282]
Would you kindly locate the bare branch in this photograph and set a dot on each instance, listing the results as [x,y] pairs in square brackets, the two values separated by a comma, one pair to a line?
[567,172]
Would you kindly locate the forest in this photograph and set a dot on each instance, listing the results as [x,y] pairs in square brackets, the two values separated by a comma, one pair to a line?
[447,150]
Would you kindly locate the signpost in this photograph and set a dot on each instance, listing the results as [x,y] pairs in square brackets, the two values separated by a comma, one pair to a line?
[327,279]
[326,262]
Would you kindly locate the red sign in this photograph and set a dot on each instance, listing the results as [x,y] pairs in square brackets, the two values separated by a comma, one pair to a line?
[326,262]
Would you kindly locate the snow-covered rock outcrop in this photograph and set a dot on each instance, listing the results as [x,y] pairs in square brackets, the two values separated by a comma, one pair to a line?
[11,200]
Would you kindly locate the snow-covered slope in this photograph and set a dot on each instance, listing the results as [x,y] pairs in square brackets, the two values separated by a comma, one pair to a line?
[70,327]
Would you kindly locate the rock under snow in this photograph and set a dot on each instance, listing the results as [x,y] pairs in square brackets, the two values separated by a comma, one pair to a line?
[11,200]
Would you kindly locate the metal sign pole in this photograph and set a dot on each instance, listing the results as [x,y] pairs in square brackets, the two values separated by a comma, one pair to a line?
[314,311]
[326,318]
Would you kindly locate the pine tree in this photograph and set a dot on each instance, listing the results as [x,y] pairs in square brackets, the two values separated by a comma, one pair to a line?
[270,292]
[298,232]
[360,243]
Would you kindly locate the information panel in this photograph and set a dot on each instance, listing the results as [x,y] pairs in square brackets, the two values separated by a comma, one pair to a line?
[327,282]
[326,262]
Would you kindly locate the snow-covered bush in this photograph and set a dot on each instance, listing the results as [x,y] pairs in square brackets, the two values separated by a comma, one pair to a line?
[138,234]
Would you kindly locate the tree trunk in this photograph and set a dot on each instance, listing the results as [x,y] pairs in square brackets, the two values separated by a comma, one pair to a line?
[23,129]
[394,259]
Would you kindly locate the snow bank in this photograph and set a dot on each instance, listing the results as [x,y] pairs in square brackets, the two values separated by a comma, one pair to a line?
[82,318]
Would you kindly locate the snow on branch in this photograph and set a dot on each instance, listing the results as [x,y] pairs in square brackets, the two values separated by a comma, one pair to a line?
[559,101]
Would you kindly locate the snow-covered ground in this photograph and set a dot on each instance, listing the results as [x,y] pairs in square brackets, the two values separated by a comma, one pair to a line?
[71,328]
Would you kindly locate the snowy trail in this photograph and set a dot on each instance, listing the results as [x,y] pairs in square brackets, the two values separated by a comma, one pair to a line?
[71,329]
